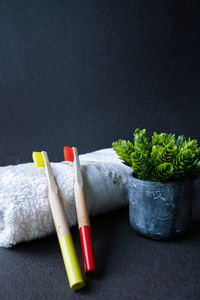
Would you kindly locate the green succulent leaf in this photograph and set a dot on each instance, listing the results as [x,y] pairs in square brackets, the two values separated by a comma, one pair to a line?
[169,138]
[124,149]
[168,152]
[183,163]
[156,152]
[180,140]
[162,172]
[196,169]
[141,165]
[158,139]
[164,158]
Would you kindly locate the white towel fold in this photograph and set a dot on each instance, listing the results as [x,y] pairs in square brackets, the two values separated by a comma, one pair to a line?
[24,207]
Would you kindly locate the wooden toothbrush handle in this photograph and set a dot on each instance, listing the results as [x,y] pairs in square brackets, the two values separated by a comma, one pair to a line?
[84,230]
[81,206]
[58,213]
[66,243]
[65,240]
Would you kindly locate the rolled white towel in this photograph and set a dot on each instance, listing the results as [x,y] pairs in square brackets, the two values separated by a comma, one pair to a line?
[24,207]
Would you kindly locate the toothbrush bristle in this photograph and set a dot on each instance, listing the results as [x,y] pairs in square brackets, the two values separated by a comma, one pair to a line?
[68,153]
[38,159]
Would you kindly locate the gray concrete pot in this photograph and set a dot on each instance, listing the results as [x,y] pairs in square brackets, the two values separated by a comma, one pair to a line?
[160,210]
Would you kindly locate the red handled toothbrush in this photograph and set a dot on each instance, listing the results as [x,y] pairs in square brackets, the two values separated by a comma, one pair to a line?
[71,154]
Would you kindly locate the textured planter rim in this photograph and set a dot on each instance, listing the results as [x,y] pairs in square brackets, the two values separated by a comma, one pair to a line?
[161,183]
[162,210]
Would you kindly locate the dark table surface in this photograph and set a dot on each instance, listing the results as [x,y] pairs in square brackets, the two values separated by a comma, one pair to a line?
[129,266]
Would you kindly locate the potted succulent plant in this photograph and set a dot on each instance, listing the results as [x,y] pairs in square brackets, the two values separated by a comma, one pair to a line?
[161,187]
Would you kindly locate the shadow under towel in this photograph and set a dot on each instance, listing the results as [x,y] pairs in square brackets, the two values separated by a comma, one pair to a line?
[24,207]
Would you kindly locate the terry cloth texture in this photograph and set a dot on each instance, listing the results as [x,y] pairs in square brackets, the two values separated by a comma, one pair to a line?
[24,207]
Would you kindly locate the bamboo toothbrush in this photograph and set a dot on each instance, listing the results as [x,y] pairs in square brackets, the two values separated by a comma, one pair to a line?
[65,240]
[71,154]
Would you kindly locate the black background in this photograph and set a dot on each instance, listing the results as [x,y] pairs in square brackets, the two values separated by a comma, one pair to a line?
[86,73]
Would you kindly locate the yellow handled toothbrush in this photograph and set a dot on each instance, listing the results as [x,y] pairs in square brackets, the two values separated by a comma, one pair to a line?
[65,240]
